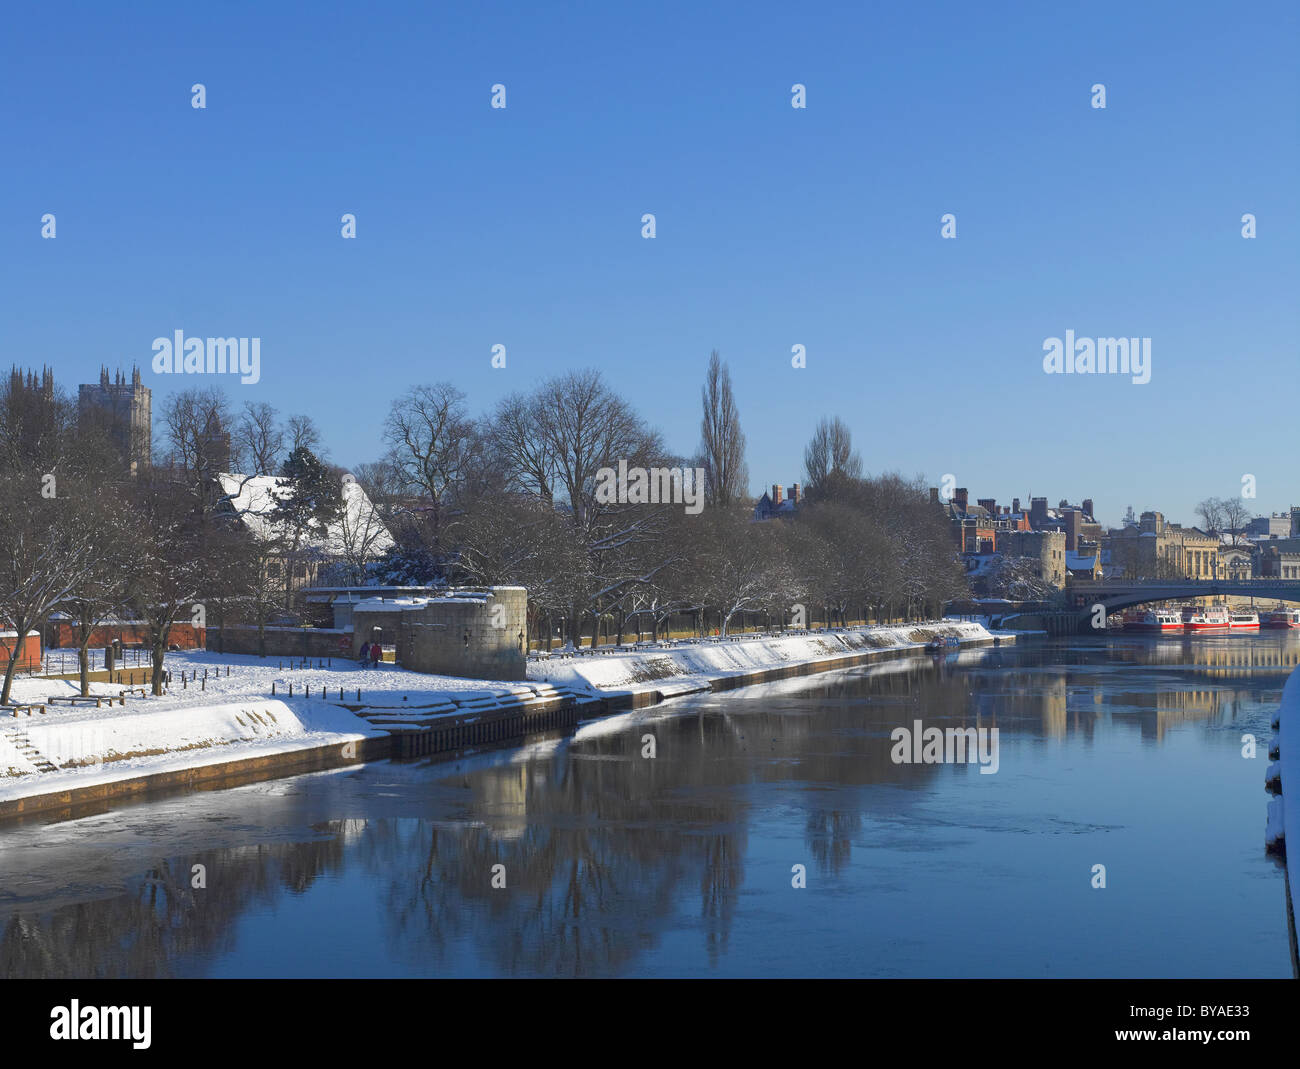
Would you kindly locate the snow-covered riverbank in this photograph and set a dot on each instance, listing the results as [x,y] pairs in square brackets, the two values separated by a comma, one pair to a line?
[234,717]
[214,722]
[687,666]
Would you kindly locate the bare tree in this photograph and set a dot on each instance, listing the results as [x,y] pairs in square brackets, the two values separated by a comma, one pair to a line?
[48,477]
[48,535]
[174,561]
[301,432]
[830,454]
[517,430]
[1211,513]
[429,433]
[587,427]
[195,424]
[1235,516]
[260,438]
[722,440]
[106,583]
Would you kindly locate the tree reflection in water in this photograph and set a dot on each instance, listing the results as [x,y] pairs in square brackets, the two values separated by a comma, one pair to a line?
[605,852]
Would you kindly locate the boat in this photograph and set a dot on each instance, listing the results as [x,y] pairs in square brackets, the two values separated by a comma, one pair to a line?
[1211,618]
[1243,621]
[1281,618]
[1153,620]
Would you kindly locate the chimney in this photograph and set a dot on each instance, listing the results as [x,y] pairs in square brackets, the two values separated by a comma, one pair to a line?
[1015,504]
[934,495]
[1087,506]
[960,497]
[989,505]
[794,493]
[777,488]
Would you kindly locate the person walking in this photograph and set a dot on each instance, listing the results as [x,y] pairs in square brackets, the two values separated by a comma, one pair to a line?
[376,654]
[365,655]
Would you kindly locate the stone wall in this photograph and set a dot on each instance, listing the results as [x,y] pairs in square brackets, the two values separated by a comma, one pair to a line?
[476,634]
[281,641]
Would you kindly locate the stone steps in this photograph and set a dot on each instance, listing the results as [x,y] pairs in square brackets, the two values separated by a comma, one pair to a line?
[33,756]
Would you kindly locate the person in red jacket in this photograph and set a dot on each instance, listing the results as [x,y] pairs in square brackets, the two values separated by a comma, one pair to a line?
[376,654]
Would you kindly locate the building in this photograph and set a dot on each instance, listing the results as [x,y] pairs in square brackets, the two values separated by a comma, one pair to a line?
[1239,561]
[29,654]
[124,410]
[1157,549]
[480,633]
[356,536]
[977,528]
[775,505]
[1083,565]
[1280,559]
[1276,525]
[1045,548]
[1076,522]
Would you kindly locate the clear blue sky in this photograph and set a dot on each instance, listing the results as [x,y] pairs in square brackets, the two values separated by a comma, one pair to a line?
[776,226]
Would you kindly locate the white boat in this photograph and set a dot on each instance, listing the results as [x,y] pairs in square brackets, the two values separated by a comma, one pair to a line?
[1212,618]
[1156,620]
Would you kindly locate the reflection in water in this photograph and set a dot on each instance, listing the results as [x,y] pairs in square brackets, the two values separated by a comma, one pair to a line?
[615,863]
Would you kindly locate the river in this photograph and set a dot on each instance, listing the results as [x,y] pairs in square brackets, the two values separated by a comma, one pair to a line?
[583,856]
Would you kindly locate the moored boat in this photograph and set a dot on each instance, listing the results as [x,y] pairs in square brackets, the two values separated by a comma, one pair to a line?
[1211,618]
[1153,620]
[1243,621]
[1281,618]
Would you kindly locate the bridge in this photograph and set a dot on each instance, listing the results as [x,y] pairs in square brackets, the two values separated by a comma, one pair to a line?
[1116,594]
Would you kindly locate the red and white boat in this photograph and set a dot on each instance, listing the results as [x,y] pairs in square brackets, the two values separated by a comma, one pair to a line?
[1212,618]
[1281,618]
[1243,621]
[1153,620]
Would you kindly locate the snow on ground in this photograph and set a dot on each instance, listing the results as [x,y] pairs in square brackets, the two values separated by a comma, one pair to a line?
[235,715]
[198,723]
[689,666]
[253,676]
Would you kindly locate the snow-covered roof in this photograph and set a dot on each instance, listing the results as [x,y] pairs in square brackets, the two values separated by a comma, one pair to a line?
[1078,562]
[399,604]
[255,497]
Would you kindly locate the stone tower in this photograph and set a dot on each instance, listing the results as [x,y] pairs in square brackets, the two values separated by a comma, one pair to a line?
[125,410]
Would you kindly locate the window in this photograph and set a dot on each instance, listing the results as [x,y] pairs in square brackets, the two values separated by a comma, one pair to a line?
[300,571]
[273,569]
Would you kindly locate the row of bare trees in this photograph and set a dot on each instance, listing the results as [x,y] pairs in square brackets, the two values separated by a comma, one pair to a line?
[508,497]
[512,498]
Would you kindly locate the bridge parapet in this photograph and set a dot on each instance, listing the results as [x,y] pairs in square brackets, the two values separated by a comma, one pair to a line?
[1116,594]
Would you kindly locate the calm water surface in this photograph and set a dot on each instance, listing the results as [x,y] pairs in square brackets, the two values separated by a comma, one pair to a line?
[1120,752]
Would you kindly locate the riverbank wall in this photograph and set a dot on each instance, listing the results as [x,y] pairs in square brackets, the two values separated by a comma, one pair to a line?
[211,747]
